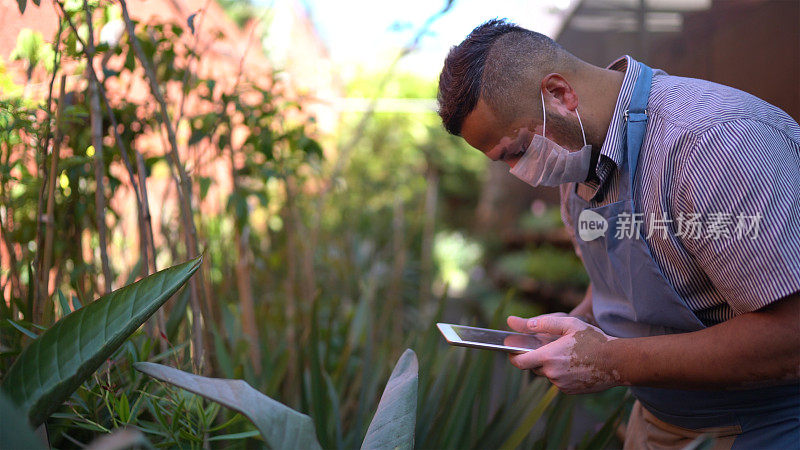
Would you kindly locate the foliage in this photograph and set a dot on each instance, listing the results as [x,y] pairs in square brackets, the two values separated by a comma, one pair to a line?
[240,11]
[31,49]
[395,420]
[57,362]
[281,427]
[22,4]
[118,396]
[545,264]
[319,265]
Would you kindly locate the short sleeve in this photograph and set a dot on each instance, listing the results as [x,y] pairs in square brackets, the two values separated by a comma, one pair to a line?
[742,182]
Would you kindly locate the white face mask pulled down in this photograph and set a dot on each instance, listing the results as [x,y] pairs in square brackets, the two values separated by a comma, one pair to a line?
[546,163]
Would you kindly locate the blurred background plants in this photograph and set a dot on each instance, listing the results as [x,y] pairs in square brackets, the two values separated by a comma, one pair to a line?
[326,255]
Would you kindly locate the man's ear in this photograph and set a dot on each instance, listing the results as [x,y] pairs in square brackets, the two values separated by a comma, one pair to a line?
[558,94]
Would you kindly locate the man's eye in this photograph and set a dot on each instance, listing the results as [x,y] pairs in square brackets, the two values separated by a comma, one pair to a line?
[514,154]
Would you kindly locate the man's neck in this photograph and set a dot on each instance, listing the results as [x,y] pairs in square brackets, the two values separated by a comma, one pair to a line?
[601,93]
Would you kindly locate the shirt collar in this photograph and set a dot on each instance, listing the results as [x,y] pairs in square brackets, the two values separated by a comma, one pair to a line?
[612,146]
[611,152]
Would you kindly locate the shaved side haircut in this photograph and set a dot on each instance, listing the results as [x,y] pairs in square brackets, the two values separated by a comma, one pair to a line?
[503,64]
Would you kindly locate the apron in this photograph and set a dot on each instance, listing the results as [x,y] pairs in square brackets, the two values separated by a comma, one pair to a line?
[632,298]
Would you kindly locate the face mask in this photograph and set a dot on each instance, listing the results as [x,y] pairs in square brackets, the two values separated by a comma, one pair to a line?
[546,163]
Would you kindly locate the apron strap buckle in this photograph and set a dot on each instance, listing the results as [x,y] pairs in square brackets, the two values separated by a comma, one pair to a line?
[635,116]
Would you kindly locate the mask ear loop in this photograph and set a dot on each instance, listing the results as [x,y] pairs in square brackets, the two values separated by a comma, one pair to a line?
[544,121]
[544,116]
[581,124]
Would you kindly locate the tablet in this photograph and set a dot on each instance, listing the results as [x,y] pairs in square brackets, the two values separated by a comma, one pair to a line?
[505,341]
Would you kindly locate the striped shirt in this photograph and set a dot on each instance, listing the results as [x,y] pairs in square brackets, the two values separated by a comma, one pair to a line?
[726,163]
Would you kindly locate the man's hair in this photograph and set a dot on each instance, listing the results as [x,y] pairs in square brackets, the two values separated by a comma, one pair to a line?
[496,62]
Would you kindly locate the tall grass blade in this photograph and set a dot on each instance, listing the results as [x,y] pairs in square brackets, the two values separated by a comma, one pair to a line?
[504,423]
[320,405]
[23,330]
[525,427]
[63,303]
[559,423]
[609,428]
[177,314]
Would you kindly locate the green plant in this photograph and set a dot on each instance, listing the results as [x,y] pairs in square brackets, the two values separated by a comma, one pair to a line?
[282,427]
[57,362]
[317,273]
[460,411]
[117,397]
[279,425]
[545,264]
[31,49]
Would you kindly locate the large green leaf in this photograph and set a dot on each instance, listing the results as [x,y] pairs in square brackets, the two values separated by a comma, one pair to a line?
[56,363]
[395,420]
[281,426]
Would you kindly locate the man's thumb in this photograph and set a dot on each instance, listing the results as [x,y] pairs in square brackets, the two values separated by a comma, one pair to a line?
[552,324]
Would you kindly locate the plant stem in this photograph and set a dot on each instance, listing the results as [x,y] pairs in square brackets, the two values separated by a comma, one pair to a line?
[16,285]
[147,241]
[188,71]
[294,371]
[40,284]
[5,232]
[190,231]
[243,265]
[51,190]
[96,117]
[147,219]
[305,248]
[428,229]
[393,310]
[244,277]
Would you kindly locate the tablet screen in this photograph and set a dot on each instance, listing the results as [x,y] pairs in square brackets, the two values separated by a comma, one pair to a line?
[496,337]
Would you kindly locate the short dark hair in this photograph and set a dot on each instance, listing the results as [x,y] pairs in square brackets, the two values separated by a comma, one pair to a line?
[477,67]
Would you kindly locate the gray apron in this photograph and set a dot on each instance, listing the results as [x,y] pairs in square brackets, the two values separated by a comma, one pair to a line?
[632,298]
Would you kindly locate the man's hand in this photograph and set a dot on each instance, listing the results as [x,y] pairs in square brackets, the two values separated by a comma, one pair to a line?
[572,362]
[756,349]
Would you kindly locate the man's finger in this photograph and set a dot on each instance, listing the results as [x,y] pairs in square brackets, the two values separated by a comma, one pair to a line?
[518,324]
[527,361]
[554,324]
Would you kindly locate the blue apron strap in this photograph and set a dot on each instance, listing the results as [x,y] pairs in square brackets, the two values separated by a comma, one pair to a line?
[636,117]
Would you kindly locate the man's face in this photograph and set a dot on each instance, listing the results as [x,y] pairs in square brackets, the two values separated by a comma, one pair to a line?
[500,141]
[483,130]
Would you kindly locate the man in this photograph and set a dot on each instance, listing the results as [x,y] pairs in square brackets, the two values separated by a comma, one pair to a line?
[684,203]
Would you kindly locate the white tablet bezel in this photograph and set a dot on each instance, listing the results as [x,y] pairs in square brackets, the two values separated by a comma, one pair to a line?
[452,338]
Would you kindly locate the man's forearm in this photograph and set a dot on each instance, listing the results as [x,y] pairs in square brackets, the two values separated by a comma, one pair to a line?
[750,350]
